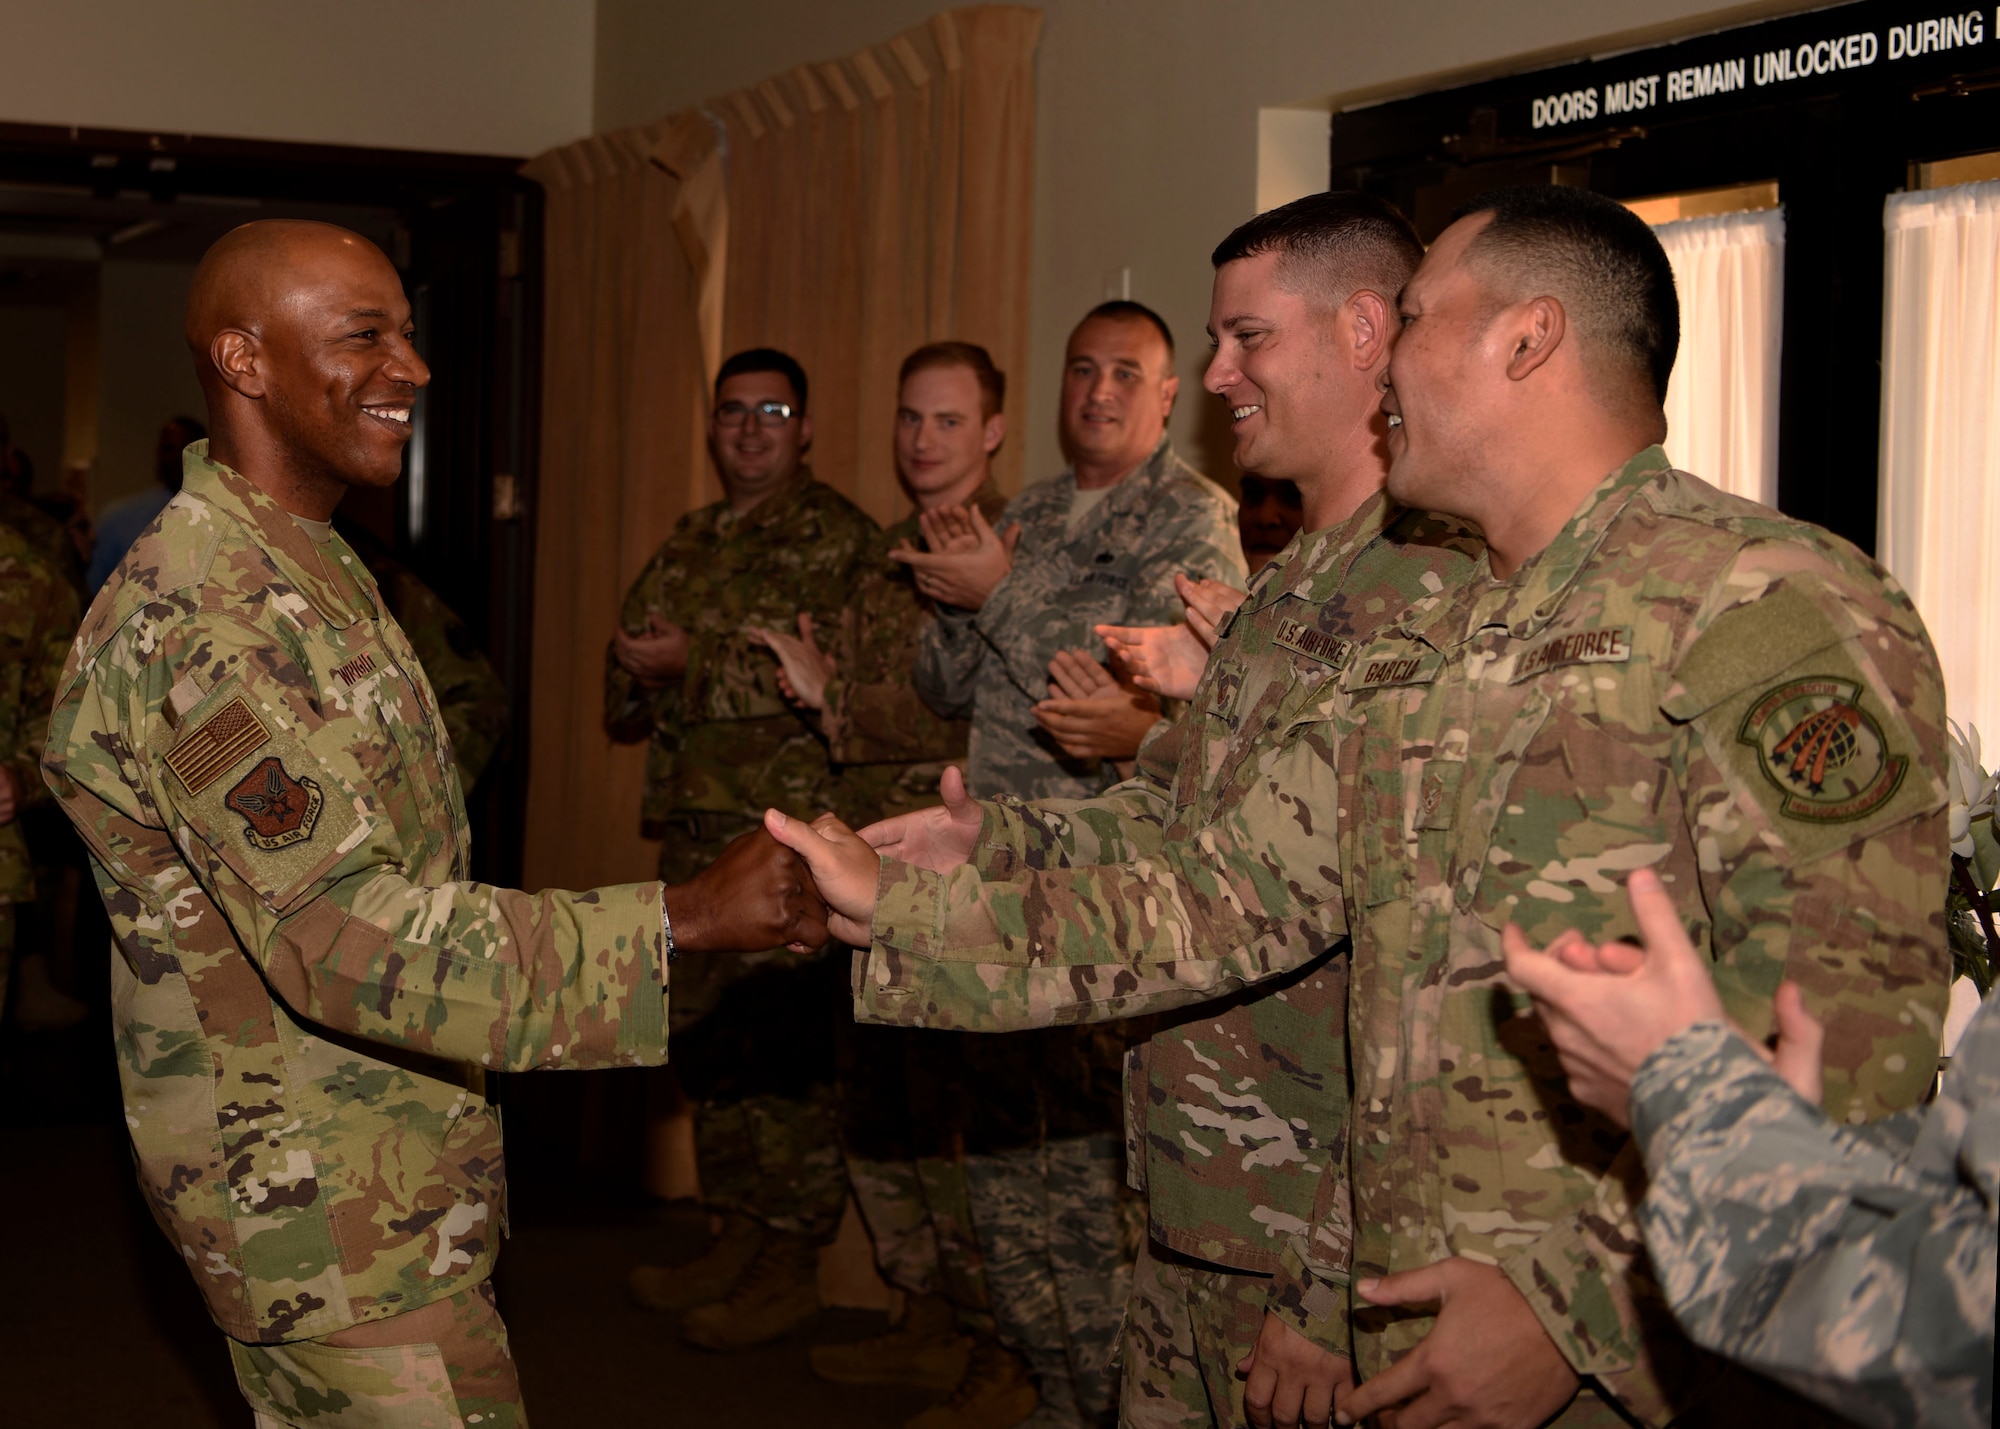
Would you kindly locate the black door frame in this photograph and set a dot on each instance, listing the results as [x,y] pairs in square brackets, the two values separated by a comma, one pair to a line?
[468,241]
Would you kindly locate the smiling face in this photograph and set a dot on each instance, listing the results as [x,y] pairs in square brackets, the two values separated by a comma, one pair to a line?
[1281,367]
[1445,379]
[339,366]
[1118,389]
[753,459]
[942,439]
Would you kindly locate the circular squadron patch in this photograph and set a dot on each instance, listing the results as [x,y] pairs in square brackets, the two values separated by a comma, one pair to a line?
[1822,750]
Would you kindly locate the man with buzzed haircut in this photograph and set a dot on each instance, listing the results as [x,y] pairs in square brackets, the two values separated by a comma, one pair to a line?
[1216,867]
[1639,673]
[307,987]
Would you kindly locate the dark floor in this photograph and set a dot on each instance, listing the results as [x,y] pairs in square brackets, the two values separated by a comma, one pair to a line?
[100,1325]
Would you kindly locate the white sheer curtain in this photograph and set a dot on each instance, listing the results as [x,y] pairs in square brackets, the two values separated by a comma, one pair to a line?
[1722,404]
[1940,496]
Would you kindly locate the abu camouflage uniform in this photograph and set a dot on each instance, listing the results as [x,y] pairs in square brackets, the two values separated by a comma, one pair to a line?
[1853,1263]
[470,696]
[1213,870]
[38,613]
[306,988]
[724,745]
[1684,681]
[900,1090]
[993,664]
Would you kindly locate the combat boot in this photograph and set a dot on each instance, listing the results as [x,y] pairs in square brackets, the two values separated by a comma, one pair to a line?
[705,1279]
[926,1350]
[779,1292]
[995,1393]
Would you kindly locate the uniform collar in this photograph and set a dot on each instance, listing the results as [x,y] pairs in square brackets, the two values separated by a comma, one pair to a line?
[990,500]
[1532,598]
[315,571]
[1314,556]
[771,509]
[1136,487]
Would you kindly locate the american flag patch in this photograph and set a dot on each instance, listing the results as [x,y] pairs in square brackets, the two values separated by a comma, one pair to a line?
[217,745]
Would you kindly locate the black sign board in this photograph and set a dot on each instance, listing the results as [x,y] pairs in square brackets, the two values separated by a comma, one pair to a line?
[1837,107]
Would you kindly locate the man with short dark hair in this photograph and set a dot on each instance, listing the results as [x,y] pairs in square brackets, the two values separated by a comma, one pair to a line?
[307,989]
[1642,672]
[1215,869]
[755,1051]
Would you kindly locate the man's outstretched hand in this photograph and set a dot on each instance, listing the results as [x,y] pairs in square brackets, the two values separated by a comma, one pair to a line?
[1168,659]
[1291,1382]
[939,838]
[1487,1363]
[1609,1006]
[756,895]
[843,866]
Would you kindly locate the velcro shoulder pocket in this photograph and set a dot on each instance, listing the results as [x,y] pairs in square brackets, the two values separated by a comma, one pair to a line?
[247,777]
[1744,646]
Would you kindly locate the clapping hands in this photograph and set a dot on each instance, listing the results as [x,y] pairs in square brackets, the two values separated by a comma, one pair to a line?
[966,561]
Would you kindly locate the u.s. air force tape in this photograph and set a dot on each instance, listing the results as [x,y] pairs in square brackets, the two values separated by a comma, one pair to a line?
[218,744]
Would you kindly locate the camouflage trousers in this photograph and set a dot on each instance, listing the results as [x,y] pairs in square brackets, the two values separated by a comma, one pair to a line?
[776,1159]
[1054,1233]
[440,1366]
[920,1219]
[1186,1326]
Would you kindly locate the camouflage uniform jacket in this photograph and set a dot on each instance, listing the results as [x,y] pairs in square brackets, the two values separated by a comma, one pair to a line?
[302,973]
[1214,870]
[1853,1263]
[1683,681]
[723,740]
[889,747]
[37,619]
[993,664]
[469,693]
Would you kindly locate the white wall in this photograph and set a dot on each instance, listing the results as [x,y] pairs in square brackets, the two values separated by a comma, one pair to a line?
[1147,119]
[470,76]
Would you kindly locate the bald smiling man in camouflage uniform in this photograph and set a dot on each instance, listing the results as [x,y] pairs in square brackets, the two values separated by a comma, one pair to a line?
[306,986]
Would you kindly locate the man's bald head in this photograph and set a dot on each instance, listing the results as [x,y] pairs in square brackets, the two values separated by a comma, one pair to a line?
[251,272]
[302,341]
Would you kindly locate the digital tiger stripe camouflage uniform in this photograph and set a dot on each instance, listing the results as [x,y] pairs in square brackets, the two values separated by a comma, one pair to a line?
[1214,870]
[1684,681]
[306,985]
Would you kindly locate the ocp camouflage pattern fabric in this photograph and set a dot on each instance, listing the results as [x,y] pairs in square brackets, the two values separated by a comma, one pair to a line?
[1214,869]
[992,665]
[306,986]
[38,616]
[1681,681]
[1854,1263]
[722,739]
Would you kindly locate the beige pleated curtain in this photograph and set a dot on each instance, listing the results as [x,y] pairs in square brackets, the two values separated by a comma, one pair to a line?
[846,212]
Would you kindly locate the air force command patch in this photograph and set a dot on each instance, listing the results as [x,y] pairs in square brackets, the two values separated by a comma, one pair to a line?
[278,810]
[1822,750]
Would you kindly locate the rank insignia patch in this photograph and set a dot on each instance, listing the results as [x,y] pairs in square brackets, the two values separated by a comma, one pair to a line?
[216,745]
[278,810]
[1822,750]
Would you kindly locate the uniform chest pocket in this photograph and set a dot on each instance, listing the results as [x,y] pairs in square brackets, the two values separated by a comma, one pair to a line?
[1486,787]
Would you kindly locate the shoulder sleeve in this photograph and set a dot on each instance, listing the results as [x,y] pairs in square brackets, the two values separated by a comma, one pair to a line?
[288,819]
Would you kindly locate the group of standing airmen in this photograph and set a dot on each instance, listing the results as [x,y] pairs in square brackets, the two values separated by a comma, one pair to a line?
[1283,894]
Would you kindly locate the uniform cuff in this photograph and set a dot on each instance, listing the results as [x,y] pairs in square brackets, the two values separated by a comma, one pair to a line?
[891,974]
[1312,1298]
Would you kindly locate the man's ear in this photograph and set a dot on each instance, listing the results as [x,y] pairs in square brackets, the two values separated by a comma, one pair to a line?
[805,431]
[1537,329]
[237,359]
[1370,319]
[1170,389]
[995,433]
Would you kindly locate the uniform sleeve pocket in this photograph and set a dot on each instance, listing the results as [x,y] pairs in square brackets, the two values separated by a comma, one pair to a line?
[255,786]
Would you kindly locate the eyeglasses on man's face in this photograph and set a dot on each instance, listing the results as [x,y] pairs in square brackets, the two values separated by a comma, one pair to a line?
[764,414]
